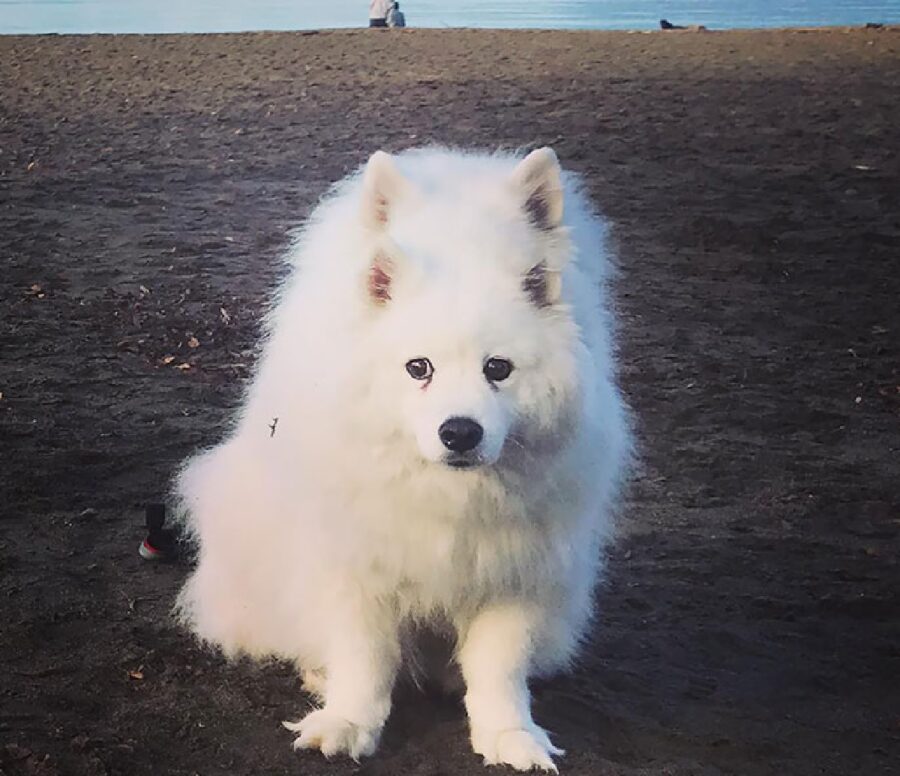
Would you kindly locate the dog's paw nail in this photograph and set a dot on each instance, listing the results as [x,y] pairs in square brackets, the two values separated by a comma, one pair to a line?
[332,735]
[521,749]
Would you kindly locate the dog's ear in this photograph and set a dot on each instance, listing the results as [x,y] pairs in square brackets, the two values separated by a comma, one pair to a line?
[542,286]
[381,272]
[382,185]
[539,182]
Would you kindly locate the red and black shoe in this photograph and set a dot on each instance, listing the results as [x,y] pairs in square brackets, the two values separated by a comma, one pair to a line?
[160,542]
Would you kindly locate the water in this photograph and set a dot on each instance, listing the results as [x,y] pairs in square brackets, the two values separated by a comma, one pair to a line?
[85,16]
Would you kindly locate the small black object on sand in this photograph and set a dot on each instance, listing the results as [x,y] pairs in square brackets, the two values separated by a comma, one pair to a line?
[667,25]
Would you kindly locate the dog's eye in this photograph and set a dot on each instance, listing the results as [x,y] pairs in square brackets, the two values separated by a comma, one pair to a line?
[497,369]
[419,368]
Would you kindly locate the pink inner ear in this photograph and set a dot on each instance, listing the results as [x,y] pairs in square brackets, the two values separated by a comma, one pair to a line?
[379,282]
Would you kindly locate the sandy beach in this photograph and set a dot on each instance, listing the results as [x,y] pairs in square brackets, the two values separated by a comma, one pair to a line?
[750,622]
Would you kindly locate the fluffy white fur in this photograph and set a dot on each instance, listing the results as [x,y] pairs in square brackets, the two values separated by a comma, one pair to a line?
[323,540]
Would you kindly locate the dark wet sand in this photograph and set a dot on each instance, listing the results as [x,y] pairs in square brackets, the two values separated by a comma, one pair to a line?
[147,185]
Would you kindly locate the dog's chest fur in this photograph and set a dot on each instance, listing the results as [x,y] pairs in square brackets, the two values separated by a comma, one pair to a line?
[454,549]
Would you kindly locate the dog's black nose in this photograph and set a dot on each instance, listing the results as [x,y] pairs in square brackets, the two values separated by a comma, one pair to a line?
[460,434]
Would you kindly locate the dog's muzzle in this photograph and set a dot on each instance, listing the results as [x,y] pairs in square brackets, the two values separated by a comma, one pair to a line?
[461,437]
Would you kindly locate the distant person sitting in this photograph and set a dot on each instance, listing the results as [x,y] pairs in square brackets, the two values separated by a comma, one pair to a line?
[378,11]
[395,17]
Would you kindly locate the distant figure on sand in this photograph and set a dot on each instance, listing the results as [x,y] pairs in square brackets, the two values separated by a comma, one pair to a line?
[665,24]
[395,17]
[378,11]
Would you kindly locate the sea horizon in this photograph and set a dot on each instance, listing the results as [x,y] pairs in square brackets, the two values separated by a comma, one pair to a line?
[216,16]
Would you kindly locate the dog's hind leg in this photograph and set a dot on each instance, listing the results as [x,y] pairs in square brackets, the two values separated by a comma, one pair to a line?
[314,682]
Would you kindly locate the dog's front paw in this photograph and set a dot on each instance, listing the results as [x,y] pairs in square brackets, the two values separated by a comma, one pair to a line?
[331,734]
[523,749]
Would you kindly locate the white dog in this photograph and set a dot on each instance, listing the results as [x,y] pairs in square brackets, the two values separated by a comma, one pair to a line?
[433,439]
